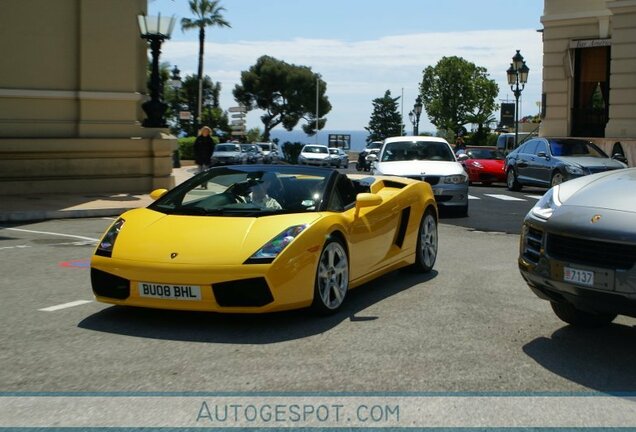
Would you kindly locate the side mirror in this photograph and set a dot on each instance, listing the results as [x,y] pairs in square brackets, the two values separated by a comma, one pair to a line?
[462,157]
[542,155]
[158,193]
[368,200]
[619,157]
[372,157]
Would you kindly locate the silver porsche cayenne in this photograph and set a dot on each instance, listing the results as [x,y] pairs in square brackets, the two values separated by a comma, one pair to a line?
[578,248]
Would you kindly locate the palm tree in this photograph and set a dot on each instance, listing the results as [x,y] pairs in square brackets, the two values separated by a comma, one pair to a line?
[207,13]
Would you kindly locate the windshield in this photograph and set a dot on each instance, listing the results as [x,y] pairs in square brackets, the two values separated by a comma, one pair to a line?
[227,148]
[485,154]
[334,151]
[251,192]
[417,150]
[574,147]
[314,149]
[374,145]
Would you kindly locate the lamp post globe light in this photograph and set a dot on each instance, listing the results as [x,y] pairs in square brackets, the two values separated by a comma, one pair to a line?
[155,29]
[517,78]
[417,112]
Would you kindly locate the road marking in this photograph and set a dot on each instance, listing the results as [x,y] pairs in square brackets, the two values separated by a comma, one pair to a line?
[504,197]
[54,234]
[65,305]
[14,247]
[535,196]
[473,197]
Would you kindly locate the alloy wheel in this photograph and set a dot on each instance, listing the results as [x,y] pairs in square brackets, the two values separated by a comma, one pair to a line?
[333,275]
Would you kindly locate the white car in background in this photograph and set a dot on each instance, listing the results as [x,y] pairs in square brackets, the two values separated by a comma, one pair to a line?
[270,152]
[314,154]
[228,154]
[429,159]
[339,158]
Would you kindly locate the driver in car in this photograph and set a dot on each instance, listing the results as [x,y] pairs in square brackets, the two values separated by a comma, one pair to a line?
[259,194]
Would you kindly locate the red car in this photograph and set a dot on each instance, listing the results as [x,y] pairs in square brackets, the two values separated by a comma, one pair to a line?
[484,165]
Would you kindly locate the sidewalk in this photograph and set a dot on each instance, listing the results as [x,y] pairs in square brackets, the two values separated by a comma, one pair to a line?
[36,207]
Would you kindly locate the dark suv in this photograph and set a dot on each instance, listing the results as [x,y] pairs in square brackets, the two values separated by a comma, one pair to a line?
[547,162]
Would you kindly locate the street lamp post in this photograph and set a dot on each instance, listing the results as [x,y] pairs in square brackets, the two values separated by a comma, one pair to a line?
[517,79]
[175,83]
[417,112]
[155,30]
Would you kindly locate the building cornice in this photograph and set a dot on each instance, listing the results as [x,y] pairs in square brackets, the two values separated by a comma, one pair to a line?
[582,16]
[69,94]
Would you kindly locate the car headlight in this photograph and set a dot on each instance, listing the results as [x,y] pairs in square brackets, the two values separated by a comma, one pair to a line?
[105,247]
[275,246]
[455,179]
[547,204]
[575,170]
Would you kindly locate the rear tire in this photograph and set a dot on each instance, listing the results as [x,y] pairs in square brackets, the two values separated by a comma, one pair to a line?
[511,181]
[578,318]
[332,278]
[427,244]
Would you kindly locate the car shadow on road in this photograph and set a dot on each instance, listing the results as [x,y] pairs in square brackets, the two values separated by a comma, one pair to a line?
[602,359]
[250,329]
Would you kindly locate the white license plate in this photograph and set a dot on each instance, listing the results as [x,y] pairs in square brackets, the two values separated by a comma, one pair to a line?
[578,276]
[169,292]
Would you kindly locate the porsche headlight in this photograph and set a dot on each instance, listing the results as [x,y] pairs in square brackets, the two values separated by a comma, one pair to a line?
[455,179]
[272,248]
[105,247]
[575,170]
[547,204]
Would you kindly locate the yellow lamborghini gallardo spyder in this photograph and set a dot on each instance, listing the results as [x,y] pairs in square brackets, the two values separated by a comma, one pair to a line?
[262,238]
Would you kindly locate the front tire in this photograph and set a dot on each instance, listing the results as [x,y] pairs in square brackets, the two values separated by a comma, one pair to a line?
[578,318]
[332,278]
[557,179]
[511,181]
[427,243]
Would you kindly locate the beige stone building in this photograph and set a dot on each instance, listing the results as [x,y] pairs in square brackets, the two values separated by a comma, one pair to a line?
[589,72]
[72,82]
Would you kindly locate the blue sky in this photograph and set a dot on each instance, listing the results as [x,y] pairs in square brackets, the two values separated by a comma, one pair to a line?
[363,47]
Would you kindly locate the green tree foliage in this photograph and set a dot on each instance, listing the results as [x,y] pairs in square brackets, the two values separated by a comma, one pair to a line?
[386,120]
[454,90]
[253,135]
[185,99]
[207,13]
[286,92]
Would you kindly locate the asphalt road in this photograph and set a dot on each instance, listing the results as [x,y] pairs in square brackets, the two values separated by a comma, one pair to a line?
[472,325]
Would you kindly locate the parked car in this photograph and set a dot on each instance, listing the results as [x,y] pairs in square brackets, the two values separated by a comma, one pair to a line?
[270,152]
[229,248]
[429,159]
[548,162]
[339,158]
[228,154]
[484,165]
[363,164]
[253,153]
[578,248]
[506,141]
[314,154]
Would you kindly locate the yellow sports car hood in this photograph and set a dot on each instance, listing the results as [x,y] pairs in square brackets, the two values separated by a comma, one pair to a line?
[155,237]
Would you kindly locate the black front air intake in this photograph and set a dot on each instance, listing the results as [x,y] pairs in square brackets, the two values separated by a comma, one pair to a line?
[243,293]
[108,285]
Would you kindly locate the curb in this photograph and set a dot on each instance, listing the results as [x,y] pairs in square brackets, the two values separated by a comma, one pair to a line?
[40,215]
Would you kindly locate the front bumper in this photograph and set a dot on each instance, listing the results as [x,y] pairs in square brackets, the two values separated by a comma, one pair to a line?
[247,288]
[613,291]
[316,162]
[451,195]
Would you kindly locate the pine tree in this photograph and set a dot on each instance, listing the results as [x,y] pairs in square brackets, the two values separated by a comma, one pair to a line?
[386,120]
